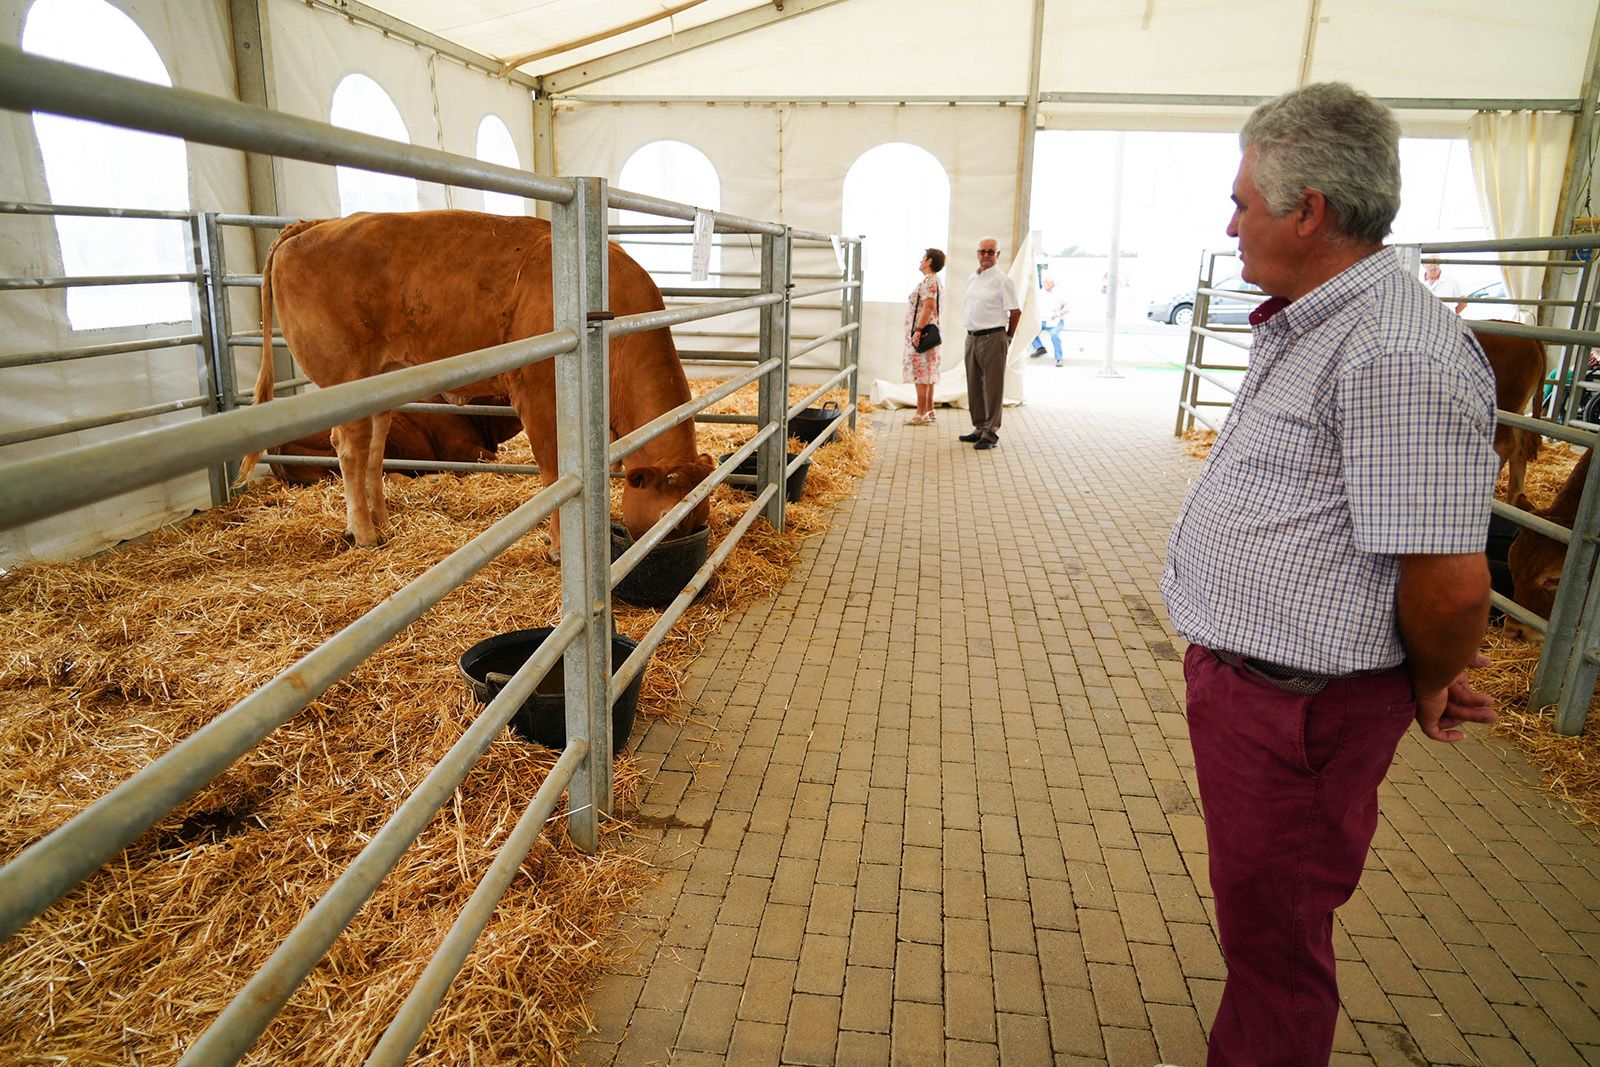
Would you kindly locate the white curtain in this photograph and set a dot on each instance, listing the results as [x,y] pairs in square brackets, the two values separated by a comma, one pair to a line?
[1518,158]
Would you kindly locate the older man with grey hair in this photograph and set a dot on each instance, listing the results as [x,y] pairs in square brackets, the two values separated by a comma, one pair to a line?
[1327,566]
[991,314]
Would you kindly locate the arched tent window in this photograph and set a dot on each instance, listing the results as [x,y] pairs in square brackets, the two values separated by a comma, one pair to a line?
[671,170]
[496,146]
[898,197]
[360,104]
[86,163]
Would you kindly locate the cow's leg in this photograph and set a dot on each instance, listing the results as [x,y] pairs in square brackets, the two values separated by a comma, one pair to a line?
[376,502]
[1524,447]
[353,442]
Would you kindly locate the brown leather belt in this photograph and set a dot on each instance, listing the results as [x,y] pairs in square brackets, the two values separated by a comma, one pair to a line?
[981,333]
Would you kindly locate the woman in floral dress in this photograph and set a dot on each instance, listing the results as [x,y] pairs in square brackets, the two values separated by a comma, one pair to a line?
[922,307]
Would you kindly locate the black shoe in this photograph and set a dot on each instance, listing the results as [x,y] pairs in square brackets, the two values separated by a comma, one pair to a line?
[982,445]
[1036,353]
[970,437]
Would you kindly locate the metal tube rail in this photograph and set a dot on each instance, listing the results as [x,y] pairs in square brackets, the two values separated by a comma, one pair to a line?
[1536,523]
[818,290]
[670,520]
[823,238]
[263,222]
[1194,412]
[1510,607]
[405,1030]
[1498,263]
[1548,334]
[631,442]
[654,320]
[1569,434]
[1232,339]
[816,394]
[232,1032]
[704,292]
[827,338]
[62,355]
[404,465]
[57,429]
[742,420]
[17,207]
[1513,244]
[1205,373]
[722,222]
[15,285]
[33,83]
[50,867]
[716,355]
[639,658]
[35,488]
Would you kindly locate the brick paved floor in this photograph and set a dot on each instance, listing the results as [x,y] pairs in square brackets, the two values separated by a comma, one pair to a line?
[940,803]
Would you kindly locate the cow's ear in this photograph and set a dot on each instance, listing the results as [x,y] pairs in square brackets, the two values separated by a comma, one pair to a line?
[705,457]
[640,477]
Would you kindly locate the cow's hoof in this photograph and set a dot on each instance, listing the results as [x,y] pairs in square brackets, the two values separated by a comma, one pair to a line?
[553,555]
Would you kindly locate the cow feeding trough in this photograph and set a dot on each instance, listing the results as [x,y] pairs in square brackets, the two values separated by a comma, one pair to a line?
[488,666]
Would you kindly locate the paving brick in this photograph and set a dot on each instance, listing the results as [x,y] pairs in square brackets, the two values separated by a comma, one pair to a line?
[767,990]
[813,1030]
[1024,1040]
[969,1001]
[917,1034]
[708,1022]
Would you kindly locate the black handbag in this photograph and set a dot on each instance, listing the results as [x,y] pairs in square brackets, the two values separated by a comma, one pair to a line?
[930,337]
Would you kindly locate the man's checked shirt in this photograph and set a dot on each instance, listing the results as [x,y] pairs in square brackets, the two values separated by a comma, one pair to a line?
[1362,431]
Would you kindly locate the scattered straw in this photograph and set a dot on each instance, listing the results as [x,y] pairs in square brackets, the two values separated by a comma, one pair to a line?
[106,663]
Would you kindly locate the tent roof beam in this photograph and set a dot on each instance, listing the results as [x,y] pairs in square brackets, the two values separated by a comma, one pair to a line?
[560,82]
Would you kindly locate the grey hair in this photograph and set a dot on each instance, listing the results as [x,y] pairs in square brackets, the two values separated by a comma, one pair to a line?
[1337,140]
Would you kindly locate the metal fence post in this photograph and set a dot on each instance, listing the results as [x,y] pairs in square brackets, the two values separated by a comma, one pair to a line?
[583,438]
[216,330]
[850,349]
[1565,636]
[203,304]
[773,455]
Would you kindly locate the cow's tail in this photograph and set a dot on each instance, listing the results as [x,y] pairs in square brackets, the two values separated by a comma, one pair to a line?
[266,379]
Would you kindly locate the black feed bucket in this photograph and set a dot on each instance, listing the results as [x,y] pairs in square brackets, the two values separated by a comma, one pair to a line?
[809,424]
[543,716]
[658,578]
[743,477]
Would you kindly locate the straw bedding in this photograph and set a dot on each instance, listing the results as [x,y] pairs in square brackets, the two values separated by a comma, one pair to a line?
[106,663]
[1569,766]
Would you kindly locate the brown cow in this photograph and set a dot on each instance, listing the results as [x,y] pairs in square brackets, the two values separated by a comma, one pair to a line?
[416,435]
[1535,561]
[1518,364]
[374,292]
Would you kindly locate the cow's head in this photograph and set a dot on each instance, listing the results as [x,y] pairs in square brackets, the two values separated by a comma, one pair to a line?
[650,492]
[1535,562]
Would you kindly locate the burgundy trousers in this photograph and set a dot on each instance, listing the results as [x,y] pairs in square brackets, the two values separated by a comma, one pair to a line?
[1289,787]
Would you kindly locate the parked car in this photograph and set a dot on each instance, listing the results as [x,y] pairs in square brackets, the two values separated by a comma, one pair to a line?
[1179,308]
[1492,291]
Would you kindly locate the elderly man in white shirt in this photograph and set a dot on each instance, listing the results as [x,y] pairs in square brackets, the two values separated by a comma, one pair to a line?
[992,312]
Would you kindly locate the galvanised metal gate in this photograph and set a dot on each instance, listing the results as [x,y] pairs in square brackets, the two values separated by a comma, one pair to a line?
[1569,663]
[54,484]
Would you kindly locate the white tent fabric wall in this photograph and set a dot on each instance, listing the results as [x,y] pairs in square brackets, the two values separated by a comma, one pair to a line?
[192,42]
[1518,159]
[312,50]
[789,162]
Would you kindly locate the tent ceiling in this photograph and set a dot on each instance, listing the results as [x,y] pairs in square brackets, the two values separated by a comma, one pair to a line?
[1469,50]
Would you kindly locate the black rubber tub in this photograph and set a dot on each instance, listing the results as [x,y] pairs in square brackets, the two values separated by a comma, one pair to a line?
[743,477]
[665,569]
[543,716]
[809,424]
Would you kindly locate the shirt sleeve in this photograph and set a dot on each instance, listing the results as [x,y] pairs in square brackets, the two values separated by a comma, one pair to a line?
[1418,454]
[1010,290]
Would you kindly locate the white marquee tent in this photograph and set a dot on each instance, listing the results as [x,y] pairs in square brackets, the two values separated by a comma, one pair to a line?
[782,99]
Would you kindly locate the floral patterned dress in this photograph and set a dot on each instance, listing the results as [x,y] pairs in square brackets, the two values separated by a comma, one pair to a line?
[921,368]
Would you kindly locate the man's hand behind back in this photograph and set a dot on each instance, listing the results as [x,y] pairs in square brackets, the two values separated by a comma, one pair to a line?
[1440,713]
